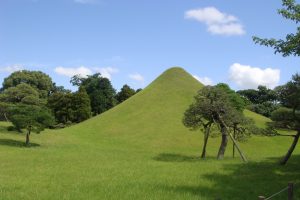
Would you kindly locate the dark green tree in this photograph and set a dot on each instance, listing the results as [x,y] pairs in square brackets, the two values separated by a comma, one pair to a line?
[215,105]
[289,116]
[30,117]
[81,105]
[236,100]
[124,93]
[262,101]
[22,93]
[61,105]
[36,79]
[100,91]
[289,45]
[198,117]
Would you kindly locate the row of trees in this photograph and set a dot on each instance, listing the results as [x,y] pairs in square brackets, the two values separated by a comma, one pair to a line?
[32,101]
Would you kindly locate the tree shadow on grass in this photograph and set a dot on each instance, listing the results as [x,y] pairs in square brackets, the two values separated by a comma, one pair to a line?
[172,157]
[246,181]
[16,143]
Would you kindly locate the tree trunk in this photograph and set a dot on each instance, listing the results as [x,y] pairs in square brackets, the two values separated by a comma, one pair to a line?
[233,145]
[27,137]
[238,148]
[223,143]
[206,135]
[284,160]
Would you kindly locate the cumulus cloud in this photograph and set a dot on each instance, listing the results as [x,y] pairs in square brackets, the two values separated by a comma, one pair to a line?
[107,71]
[11,68]
[137,77]
[247,77]
[203,80]
[72,71]
[217,22]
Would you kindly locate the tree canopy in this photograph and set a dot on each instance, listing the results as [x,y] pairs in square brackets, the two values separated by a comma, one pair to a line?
[289,45]
[101,92]
[36,79]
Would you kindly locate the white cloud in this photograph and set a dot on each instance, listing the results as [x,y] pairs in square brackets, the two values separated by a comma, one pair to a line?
[217,22]
[247,77]
[106,71]
[136,77]
[71,71]
[11,68]
[203,80]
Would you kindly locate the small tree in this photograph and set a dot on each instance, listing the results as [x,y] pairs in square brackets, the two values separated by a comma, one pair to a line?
[81,105]
[212,104]
[30,117]
[195,117]
[101,92]
[289,116]
[125,93]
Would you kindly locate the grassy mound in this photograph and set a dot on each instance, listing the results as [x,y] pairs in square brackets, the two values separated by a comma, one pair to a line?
[141,150]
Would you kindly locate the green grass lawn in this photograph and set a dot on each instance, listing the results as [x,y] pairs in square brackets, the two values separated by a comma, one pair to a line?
[141,150]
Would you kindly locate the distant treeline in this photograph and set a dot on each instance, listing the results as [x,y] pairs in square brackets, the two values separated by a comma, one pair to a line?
[36,90]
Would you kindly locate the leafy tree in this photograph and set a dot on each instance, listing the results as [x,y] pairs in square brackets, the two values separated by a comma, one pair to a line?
[289,116]
[138,90]
[236,100]
[212,104]
[100,91]
[289,45]
[36,79]
[22,93]
[197,117]
[30,117]
[81,105]
[124,93]
[62,107]
[262,101]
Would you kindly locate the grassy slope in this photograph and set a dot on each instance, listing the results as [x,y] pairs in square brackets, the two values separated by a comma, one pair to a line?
[140,150]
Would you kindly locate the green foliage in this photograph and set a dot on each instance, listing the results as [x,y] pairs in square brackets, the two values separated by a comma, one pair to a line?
[125,93]
[262,101]
[289,96]
[22,93]
[236,100]
[61,105]
[30,117]
[289,45]
[81,105]
[70,107]
[36,79]
[100,91]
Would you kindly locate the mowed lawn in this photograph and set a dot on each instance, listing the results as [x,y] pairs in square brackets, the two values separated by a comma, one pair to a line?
[141,150]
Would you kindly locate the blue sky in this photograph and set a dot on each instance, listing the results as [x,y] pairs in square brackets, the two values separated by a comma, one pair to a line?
[134,41]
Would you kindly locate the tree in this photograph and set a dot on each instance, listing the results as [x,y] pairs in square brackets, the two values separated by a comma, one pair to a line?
[22,93]
[125,93]
[61,106]
[289,45]
[100,91]
[262,101]
[212,104]
[236,100]
[36,79]
[81,105]
[289,116]
[197,117]
[30,117]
